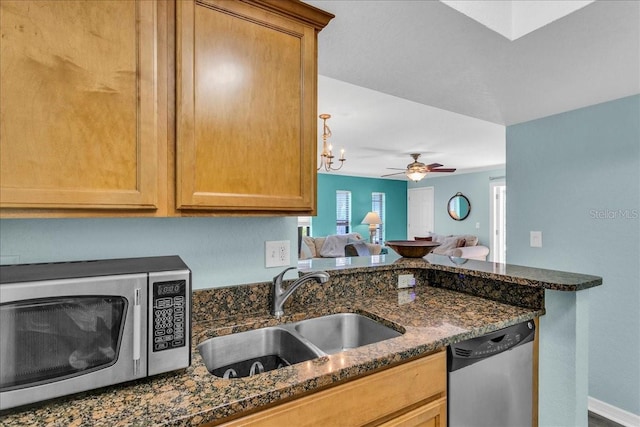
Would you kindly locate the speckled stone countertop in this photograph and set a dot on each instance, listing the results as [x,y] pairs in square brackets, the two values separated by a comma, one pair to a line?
[429,315]
[517,274]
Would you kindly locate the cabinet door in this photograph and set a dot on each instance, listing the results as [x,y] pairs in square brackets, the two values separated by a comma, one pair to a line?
[395,395]
[246,108]
[78,102]
[433,414]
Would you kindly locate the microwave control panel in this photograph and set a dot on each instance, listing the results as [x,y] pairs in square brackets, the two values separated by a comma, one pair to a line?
[169,308]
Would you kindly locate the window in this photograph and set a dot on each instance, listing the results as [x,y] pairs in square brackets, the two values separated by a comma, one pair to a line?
[377,205]
[304,225]
[343,211]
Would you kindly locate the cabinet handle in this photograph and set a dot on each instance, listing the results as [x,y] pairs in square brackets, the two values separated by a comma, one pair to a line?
[137,333]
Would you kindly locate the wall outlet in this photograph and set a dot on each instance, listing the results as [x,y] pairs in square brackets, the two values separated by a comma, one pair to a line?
[277,253]
[535,239]
[406,281]
[405,296]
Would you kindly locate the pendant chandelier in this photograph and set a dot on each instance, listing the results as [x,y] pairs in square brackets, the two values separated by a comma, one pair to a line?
[326,157]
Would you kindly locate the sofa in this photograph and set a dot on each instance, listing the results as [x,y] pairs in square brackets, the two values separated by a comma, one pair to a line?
[333,246]
[459,246]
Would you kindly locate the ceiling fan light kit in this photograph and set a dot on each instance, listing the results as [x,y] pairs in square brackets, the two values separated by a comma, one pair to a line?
[326,157]
[415,175]
[417,170]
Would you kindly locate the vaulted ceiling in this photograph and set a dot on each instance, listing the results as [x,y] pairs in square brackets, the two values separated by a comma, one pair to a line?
[418,76]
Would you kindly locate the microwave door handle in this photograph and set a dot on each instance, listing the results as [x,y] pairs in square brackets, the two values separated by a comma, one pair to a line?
[137,332]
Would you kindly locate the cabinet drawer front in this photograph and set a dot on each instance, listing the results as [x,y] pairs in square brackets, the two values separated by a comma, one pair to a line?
[78,101]
[246,109]
[363,400]
[432,414]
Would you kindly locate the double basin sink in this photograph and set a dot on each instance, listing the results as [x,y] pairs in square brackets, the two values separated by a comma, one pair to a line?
[265,349]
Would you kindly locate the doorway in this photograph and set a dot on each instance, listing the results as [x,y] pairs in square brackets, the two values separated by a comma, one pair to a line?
[420,212]
[498,208]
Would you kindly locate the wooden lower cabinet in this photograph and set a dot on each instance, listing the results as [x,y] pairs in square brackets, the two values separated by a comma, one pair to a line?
[432,414]
[410,394]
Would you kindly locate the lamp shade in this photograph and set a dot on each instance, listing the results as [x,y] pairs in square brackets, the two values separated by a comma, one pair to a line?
[372,218]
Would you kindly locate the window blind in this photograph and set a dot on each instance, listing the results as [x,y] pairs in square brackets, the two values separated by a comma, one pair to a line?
[343,212]
[377,205]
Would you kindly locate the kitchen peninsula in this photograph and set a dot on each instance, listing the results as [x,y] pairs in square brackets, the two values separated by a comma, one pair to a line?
[453,300]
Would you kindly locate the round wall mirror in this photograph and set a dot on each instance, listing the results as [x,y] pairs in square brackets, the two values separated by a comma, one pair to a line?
[459,207]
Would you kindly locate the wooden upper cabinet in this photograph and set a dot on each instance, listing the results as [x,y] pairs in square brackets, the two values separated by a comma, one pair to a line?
[246,105]
[78,101]
[87,93]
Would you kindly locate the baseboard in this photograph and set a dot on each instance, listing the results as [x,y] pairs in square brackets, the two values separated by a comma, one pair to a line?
[613,413]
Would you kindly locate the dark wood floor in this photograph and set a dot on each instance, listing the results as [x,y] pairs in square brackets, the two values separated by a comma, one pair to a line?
[596,420]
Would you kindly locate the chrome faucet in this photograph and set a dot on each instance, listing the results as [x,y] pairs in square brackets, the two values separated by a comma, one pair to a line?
[280,295]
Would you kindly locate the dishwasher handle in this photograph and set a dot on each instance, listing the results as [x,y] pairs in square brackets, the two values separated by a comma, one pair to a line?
[465,353]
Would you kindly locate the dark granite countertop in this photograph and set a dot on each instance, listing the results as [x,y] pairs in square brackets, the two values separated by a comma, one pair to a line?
[507,273]
[430,317]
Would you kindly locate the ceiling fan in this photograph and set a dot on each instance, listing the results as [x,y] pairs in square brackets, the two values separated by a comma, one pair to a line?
[417,170]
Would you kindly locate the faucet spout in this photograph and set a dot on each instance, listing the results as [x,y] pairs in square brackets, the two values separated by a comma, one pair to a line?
[279,294]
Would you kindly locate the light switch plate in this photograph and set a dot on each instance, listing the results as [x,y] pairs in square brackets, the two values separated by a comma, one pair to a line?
[277,253]
[535,239]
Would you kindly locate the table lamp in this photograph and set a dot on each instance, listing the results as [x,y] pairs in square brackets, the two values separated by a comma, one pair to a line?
[372,218]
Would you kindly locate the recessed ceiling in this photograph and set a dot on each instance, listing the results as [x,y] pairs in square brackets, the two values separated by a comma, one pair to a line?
[514,19]
[429,55]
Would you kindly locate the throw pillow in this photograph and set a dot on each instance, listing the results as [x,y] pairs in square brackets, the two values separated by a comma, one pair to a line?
[305,250]
[310,241]
[461,243]
[471,240]
[319,243]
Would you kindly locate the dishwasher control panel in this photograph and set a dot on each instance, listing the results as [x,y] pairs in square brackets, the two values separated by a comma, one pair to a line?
[497,345]
[491,344]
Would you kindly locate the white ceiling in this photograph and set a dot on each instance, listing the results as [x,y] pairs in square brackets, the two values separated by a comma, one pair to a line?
[379,131]
[402,76]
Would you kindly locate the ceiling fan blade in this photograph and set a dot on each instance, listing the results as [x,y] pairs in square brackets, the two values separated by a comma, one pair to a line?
[417,166]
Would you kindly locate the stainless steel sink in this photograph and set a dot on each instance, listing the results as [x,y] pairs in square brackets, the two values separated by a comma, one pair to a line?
[253,352]
[261,350]
[338,332]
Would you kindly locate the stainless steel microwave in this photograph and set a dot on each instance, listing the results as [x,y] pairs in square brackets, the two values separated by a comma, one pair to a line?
[75,326]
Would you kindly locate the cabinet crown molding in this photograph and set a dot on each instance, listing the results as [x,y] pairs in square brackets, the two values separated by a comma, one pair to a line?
[297,10]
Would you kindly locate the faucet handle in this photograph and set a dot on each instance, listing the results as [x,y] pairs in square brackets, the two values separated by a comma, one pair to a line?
[279,277]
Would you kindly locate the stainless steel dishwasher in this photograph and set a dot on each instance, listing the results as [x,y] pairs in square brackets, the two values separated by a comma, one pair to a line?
[490,379]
